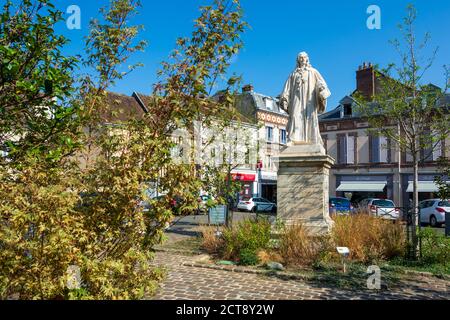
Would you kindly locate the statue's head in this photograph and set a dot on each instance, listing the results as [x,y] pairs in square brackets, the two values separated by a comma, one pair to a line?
[303,60]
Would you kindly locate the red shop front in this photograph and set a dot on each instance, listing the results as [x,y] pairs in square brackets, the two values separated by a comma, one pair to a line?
[247,181]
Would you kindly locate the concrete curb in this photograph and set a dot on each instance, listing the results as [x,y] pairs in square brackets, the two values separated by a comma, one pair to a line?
[175,251]
[426,274]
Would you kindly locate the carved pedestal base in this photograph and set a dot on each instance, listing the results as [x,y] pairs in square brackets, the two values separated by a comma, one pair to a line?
[303,187]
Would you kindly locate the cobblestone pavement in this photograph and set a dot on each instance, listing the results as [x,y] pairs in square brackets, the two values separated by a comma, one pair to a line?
[193,283]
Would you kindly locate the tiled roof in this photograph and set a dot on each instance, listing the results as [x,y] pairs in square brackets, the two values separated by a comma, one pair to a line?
[336,113]
[121,108]
[256,102]
[331,115]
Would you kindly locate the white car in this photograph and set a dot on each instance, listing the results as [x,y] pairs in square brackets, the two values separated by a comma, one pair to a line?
[433,212]
[256,205]
[381,208]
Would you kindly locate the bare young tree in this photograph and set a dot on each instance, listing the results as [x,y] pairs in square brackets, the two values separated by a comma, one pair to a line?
[410,113]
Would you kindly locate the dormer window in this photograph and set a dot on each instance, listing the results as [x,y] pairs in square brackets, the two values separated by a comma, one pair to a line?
[348,111]
[269,104]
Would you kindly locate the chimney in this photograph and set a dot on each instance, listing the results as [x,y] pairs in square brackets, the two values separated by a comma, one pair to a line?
[247,88]
[365,80]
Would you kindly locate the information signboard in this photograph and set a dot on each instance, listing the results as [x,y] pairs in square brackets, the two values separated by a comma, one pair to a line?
[218,215]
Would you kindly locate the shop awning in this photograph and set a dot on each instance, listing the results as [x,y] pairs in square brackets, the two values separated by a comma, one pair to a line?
[244,177]
[362,186]
[423,186]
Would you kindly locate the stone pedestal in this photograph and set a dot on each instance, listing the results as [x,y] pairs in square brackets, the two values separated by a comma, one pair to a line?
[303,187]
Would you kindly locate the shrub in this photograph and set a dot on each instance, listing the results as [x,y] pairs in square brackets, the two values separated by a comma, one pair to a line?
[435,247]
[369,238]
[60,150]
[266,256]
[44,230]
[297,247]
[210,242]
[249,235]
[248,257]
[36,253]
[393,240]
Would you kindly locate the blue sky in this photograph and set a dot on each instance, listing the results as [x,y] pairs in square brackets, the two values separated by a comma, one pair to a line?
[334,33]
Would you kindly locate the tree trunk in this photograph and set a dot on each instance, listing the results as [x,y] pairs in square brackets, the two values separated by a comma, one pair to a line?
[415,209]
[229,212]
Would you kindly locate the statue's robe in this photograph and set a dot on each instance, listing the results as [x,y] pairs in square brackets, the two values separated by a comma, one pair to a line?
[305,95]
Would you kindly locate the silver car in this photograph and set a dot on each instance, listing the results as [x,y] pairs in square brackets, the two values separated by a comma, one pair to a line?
[382,208]
[433,212]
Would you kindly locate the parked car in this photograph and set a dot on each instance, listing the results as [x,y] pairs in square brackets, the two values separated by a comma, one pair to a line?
[256,205]
[383,208]
[433,212]
[340,206]
[203,204]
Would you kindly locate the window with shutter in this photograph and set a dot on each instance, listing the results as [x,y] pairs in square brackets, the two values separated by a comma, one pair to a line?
[350,149]
[269,134]
[283,136]
[342,152]
[375,144]
[427,152]
[383,149]
[409,157]
[437,152]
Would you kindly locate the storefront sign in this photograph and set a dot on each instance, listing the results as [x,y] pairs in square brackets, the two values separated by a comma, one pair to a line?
[244,177]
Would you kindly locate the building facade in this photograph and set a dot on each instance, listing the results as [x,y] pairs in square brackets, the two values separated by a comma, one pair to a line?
[272,123]
[372,166]
[366,166]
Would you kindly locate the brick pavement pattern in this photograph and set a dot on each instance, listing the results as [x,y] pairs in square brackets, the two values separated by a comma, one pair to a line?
[194,283]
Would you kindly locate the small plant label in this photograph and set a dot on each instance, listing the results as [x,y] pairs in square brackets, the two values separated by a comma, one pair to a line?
[73,278]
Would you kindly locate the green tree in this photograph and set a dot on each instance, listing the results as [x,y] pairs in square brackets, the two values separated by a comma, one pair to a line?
[72,196]
[406,111]
[36,82]
[195,68]
[45,225]
[38,128]
[442,181]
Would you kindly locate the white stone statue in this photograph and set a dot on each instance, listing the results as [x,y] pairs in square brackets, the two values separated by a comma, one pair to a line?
[304,97]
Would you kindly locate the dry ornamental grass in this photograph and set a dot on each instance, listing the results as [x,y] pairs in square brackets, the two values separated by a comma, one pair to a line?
[369,238]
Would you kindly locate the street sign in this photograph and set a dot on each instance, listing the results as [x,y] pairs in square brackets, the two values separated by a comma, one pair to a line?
[259,165]
[217,215]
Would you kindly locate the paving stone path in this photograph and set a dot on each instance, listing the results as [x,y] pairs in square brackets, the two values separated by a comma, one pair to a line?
[194,283]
